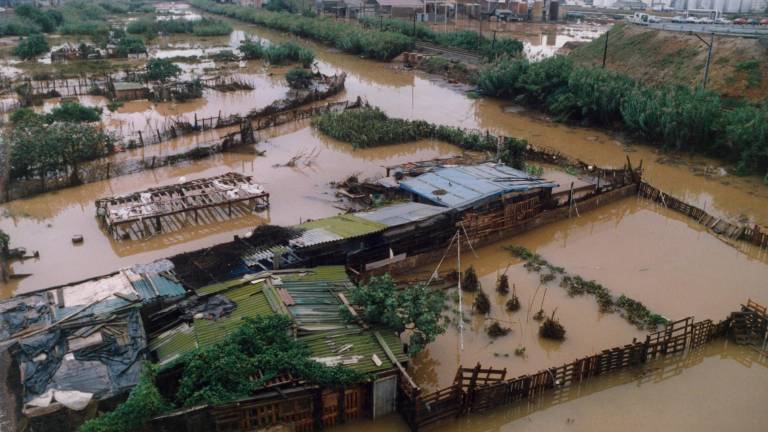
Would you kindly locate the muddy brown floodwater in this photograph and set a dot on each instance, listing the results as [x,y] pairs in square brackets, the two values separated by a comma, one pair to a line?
[717,388]
[47,222]
[632,247]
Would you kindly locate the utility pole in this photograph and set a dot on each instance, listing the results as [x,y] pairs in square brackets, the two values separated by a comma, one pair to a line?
[709,45]
[605,48]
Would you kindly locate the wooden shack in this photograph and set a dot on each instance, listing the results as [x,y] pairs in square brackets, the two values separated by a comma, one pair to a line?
[128,91]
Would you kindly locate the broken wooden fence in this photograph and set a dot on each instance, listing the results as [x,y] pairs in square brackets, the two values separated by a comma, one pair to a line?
[478,389]
[755,234]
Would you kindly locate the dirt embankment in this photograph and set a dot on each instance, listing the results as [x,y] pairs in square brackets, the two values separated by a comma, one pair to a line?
[739,66]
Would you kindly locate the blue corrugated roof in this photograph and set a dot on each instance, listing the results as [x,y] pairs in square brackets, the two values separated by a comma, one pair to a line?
[462,187]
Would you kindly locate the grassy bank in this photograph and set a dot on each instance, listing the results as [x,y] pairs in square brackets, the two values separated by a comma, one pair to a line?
[670,117]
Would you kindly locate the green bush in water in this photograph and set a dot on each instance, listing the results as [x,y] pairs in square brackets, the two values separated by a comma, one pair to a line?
[289,52]
[299,78]
[251,50]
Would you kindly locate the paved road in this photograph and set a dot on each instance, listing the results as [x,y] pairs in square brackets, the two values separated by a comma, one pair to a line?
[720,29]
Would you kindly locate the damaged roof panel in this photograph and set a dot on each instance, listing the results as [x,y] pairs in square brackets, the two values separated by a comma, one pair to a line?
[355,349]
[344,226]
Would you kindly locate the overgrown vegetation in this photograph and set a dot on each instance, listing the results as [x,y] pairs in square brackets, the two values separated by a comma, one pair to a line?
[299,78]
[482,303]
[496,330]
[251,50]
[502,284]
[5,241]
[672,117]
[289,52]
[262,347]
[416,309]
[470,281]
[552,329]
[202,27]
[632,310]
[347,37]
[144,402]
[162,70]
[370,127]
[31,47]
[39,150]
[464,39]
[752,69]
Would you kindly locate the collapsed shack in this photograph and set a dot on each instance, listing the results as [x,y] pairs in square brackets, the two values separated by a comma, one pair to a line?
[82,343]
[168,208]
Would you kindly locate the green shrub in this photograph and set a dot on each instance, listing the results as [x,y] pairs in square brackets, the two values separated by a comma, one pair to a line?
[130,45]
[47,22]
[31,47]
[299,78]
[251,50]
[143,403]
[74,112]
[202,27]
[17,26]
[162,70]
[288,52]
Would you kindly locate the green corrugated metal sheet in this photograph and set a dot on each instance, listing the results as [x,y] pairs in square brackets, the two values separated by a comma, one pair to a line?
[345,226]
[359,355]
[324,273]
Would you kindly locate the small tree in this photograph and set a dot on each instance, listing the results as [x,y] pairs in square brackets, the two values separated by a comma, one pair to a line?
[130,45]
[470,282]
[502,284]
[415,309]
[299,78]
[251,50]
[482,304]
[162,70]
[31,47]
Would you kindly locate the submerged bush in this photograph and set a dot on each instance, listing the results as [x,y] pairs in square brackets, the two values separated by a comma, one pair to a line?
[482,303]
[289,52]
[299,78]
[251,50]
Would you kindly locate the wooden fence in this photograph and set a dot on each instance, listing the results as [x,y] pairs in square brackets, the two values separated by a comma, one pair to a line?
[755,234]
[478,389]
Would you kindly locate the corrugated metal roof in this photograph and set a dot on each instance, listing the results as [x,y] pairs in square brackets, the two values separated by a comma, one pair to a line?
[315,308]
[462,187]
[401,214]
[338,227]
[355,349]
[313,237]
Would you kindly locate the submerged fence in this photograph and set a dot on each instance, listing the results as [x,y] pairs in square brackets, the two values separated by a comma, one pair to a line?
[478,389]
[754,234]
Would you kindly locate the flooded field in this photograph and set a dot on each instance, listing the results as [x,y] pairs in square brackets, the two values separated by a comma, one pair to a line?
[634,247]
[398,92]
[618,246]
[720,387]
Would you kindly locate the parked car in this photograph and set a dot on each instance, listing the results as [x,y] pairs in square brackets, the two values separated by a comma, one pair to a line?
[723,21]
[678,19]
[764,21]
[741,21]
[503,14]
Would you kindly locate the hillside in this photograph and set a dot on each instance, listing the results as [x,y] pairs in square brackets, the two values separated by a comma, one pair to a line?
[739,66]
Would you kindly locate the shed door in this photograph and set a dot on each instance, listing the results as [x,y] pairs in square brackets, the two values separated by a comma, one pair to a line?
[384,396]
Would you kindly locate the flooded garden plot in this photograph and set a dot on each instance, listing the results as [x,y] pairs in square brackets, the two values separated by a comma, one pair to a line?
[401,93]
[632,247]
[619,246]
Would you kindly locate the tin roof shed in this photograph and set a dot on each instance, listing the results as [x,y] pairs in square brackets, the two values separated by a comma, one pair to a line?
[335,228]
[462,187]
[356,349]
